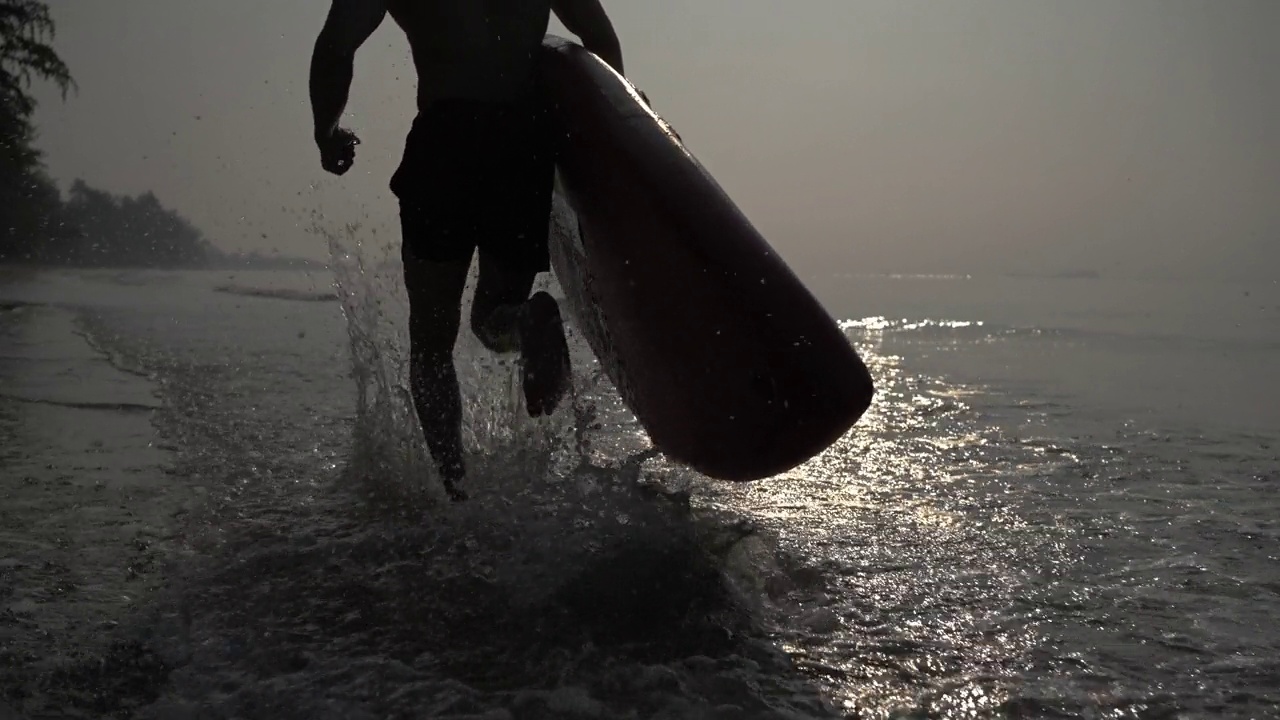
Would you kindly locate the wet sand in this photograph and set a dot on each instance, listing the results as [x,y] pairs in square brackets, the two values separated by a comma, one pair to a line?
[86,506]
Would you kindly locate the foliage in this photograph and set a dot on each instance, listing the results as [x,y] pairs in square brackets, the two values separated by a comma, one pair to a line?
[28,198]
[26,29]
[92,227]
[122,230]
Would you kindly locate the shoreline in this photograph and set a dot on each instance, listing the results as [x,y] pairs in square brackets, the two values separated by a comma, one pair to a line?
[10,268]
[90,514]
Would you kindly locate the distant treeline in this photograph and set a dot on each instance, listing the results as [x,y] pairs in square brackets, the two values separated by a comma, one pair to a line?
[89,227]
[95,228]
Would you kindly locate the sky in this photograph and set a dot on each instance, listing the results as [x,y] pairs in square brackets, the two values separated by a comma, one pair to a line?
[1137,138]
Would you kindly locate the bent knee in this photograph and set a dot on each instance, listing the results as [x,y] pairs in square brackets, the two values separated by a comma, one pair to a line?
[499,329]
[498,340]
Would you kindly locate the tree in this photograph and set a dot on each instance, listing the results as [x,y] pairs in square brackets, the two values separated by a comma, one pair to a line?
[92,227]
[29,200]
[121,230]
[26,29]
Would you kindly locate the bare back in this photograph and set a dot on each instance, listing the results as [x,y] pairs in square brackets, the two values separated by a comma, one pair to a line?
[473,49]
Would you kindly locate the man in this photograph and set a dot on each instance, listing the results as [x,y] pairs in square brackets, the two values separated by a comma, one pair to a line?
[477,172]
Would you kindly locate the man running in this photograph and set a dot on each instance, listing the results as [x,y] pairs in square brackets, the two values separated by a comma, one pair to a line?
[477,173]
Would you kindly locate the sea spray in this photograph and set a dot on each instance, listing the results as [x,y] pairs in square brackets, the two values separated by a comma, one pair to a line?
[388,452]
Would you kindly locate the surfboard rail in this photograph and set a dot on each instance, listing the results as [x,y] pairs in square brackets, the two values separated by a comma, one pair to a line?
[729,362]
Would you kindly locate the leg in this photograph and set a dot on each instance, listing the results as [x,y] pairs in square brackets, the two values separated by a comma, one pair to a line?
[435,306]
[513,250]
[438,222]
[545,370]
[506,319]
[501,293]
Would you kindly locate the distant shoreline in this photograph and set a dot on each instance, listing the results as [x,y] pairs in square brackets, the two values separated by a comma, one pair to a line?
[1060,275]
[13,269]
[260,262]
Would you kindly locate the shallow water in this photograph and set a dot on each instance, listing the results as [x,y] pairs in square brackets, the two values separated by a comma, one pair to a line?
[216,506]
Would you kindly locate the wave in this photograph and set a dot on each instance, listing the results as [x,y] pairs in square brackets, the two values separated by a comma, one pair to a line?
[109,406]
[278,293]
[902,276]
[14,305]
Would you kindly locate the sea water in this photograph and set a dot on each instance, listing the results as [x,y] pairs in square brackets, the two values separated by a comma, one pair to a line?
[215,503]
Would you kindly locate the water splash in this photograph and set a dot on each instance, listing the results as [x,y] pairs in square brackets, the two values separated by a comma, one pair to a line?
[388,451]
[502,443]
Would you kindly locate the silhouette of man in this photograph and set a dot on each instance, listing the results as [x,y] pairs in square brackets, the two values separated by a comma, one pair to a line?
[477,173]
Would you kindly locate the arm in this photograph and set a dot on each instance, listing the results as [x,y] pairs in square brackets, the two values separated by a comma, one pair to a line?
[588,20]
[349,24]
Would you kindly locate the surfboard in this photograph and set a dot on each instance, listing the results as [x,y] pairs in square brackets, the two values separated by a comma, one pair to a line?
[725,358]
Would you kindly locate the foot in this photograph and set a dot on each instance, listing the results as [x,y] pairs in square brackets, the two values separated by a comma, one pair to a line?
[545,370]
[456,493]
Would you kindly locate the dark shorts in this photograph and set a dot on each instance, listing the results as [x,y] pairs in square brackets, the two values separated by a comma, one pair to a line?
[478,175]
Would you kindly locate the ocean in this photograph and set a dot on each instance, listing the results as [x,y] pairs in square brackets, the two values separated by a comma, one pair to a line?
[1062,504]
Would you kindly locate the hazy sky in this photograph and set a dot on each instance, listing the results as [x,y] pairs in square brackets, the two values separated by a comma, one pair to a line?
[1136,136]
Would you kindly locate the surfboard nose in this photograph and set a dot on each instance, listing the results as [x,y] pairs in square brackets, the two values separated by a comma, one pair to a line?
[839,392]
[806,403]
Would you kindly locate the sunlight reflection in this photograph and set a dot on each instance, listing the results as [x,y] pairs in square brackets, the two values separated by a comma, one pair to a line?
[883,323]
[926,565]
[907,528]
